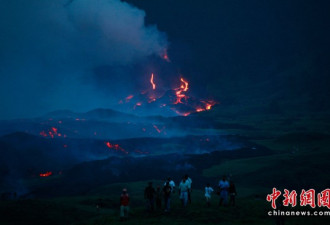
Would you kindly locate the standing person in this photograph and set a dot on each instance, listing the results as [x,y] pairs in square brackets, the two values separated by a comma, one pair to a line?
[158,198]
[171,183]
[167,190]
[183,191]
[188,179]
[149,194]
[124,205]
[223,188]
[232,193]
[208,192]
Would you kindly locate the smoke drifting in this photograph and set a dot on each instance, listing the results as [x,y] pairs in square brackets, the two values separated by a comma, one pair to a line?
[49,51]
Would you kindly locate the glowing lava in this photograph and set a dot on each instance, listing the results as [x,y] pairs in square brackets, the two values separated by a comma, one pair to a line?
[185,84]
[137,104]
[152,82]
[52,132]
[164,55]
[128,98]
[177,99]
[180,92]
[181,113]
[47,174]
[157,129]
[115,147]
[208,104]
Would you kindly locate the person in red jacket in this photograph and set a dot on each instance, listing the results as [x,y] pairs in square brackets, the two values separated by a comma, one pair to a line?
[124,205]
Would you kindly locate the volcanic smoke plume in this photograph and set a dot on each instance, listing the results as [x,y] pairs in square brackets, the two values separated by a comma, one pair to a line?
[49,49]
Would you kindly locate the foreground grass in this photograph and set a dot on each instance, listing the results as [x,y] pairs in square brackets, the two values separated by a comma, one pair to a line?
[81,210]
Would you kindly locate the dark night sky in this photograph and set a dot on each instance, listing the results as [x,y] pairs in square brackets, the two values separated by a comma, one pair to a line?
[241,39]
[89,53]
[246,49]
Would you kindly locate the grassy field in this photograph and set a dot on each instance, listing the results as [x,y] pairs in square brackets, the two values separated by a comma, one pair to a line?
[81,210]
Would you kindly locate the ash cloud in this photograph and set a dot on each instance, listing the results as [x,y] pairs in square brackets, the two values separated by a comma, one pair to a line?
[49,51]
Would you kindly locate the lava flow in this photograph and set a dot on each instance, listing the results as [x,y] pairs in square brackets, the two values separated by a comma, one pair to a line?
[115,147]
[152,82]
[47,174]
[176,99]
[180,92]
[128,98]
[159,130]
[52,132]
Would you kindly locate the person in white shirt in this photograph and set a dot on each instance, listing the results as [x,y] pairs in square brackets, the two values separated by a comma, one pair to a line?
[223,187]
[171,183]
[183,191]
[208,192]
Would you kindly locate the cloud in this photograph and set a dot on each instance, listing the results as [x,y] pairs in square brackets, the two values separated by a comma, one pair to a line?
[48,50]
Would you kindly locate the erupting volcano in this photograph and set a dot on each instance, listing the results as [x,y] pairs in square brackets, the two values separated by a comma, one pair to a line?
[176,99]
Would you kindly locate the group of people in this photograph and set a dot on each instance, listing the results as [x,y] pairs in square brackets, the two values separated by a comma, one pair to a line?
[225,189]
[155,196]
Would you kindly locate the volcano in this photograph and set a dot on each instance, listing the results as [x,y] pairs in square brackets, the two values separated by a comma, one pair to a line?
[174,101]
